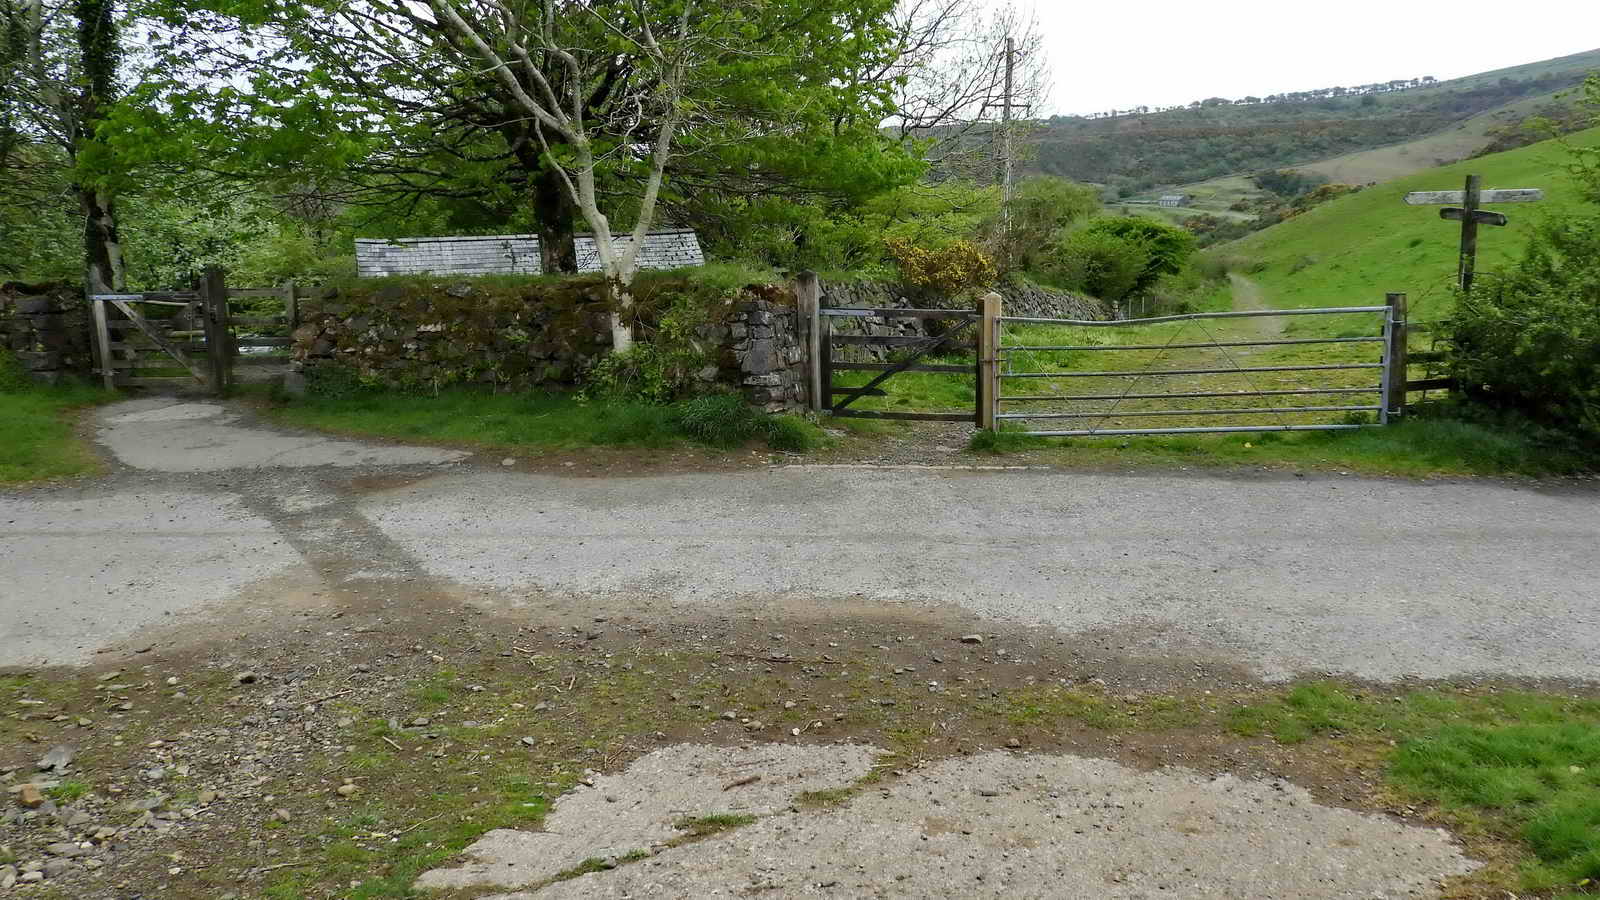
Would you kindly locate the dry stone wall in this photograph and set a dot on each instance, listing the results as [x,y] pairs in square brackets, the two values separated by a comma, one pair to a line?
[46,327]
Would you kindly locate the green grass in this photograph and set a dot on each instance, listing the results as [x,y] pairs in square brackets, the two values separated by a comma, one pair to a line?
[705,826]
[1364,245]
[544,421]
[37,435]
[1521,767]
[1417,446]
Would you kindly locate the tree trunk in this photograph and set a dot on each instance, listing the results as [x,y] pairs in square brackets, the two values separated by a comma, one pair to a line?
[621,315]
[102,245]
[553,207]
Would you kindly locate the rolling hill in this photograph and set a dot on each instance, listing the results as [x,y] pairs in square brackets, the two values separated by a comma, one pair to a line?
[1353,250]
[1214,138]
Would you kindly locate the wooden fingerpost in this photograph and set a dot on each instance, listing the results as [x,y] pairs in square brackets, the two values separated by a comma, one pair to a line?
[1469,236]
[808,300]
[1395,386]
[988,359]
[214,298]
[102,344]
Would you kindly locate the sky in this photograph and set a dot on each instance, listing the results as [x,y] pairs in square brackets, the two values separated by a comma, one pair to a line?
[1106,55]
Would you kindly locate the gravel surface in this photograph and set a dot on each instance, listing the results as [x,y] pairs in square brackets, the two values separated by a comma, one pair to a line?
[1007,825]
[1380,579]
[642,808]
[1376,578]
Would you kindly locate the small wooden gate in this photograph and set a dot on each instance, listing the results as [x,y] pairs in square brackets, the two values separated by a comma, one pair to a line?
[139,339]
[836,399]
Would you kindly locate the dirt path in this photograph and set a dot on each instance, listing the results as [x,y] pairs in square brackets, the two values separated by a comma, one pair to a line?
[1247,296]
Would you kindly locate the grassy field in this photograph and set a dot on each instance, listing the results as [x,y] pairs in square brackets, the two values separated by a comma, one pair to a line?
[38,439]
[533,421]
[1356,248]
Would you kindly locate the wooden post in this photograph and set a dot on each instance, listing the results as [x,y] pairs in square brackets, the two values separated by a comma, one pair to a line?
[219,355]
[291,305]
[1395,389]
[988,359]
[808,297]
[825,353]
[1469,233]
[102,344]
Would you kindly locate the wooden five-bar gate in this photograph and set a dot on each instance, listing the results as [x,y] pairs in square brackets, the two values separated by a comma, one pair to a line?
[143,339]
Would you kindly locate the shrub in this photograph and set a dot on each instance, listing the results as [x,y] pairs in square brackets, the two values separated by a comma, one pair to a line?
[1528,339]
[1097,263]
[948,271]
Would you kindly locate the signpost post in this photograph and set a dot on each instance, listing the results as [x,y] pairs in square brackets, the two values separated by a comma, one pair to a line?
[1470,216]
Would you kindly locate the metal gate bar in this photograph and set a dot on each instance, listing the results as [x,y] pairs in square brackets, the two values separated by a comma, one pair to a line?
[1221,429]
[1339,340]
[1392,323]
[1277,393]
[1245,411]
[1187,317]
[1153,372]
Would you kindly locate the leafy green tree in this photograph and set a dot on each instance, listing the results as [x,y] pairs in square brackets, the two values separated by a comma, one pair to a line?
[59,79]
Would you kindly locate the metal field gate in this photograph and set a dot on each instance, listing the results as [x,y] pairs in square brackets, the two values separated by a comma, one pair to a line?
[1202,372]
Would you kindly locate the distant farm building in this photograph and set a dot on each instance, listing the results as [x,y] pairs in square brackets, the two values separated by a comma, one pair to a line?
[510,254]
[1174,200]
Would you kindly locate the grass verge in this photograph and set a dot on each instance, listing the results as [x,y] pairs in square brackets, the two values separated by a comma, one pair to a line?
[1427,443]
[1515,773]
[37,437]
[545,421]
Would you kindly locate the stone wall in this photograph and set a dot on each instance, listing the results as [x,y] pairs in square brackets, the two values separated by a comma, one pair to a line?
[1018,299]
[411,336]
[511,254]
[765,340]
[46,327]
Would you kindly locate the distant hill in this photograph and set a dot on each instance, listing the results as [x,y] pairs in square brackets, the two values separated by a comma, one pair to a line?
[1217,137]
[1355,249]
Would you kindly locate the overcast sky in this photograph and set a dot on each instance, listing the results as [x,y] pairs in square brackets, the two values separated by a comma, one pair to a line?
[1125,53]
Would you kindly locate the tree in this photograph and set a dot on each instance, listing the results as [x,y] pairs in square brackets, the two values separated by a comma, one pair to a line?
[420,116]
[60,66]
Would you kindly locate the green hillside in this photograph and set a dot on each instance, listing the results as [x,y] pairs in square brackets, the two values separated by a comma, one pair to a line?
[1353,250]
[1138,150]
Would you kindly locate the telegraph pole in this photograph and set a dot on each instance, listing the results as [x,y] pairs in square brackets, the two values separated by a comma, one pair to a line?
[1007,102]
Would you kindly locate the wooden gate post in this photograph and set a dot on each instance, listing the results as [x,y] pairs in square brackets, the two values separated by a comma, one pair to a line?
[219,352]
[291,305]
[988,359]
[1396,351]
[102,344]
[808,299]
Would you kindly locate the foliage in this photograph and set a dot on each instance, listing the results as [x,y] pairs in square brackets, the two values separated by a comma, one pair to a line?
[1528,338]
[1097,262]
[1288,182]
[1115,258]
[724,420]
[948,272]
[1040,208]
